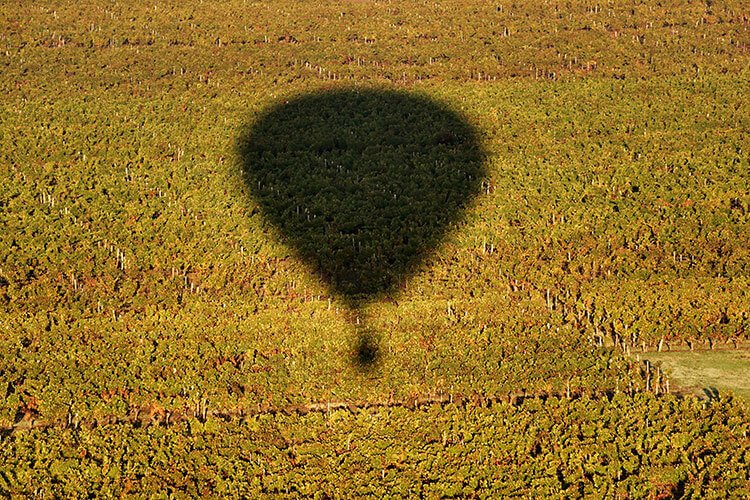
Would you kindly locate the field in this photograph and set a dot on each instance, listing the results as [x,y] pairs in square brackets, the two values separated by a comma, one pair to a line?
[373,248]
[708,372]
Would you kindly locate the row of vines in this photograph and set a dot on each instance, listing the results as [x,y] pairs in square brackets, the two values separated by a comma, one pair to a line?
[140,275]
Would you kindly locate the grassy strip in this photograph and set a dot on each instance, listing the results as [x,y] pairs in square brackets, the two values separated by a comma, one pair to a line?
[707,372]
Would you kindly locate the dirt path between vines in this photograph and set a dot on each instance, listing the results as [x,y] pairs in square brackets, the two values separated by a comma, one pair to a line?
[674,380]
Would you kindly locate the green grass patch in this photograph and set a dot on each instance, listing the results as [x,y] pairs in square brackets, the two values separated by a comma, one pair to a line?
[705,372]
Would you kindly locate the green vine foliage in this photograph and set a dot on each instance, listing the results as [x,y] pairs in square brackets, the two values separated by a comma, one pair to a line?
[142,271]
[630,446]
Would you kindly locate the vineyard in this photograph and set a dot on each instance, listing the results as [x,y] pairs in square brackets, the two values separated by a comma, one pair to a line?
[372,248]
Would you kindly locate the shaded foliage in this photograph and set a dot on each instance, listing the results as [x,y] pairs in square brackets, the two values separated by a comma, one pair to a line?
[362,184]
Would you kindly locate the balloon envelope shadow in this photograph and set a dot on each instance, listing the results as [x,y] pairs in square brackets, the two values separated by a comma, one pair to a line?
[362,185]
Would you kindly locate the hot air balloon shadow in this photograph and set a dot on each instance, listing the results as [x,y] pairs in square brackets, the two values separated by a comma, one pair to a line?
[362,185]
